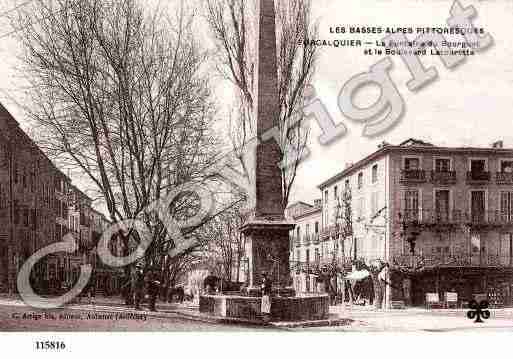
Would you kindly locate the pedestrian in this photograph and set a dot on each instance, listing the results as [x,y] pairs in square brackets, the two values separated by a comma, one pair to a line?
[153,286]
[266,297]
[92,290]
[138,287]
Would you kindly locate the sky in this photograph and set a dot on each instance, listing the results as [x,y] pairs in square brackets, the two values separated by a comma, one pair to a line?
[468,105]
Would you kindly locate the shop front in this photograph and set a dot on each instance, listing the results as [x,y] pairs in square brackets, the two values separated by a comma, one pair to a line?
[495,284]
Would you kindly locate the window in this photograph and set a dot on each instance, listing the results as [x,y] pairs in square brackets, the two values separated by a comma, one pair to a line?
[360,180]
[477,206]
[316,227]
[411,204]
[326,212]
[374,203]
[298,257]
[412,163]
[347,184]
[335,193]
[15,170]
[375,173]
[507,166]
[361,208]
[307,256]
[317,255]
[477,166]
[506,206]
[442,164]
[442,205]
[298,230]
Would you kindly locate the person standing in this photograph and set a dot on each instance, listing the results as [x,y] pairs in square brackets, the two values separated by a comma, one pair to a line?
[153,290]
[266,296]
[138,287]
[92,289]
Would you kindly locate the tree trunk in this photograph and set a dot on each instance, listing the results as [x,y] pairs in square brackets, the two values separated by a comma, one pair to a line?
[378,290]
[350,291]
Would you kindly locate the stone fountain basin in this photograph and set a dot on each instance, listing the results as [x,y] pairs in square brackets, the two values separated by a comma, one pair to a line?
[298,308]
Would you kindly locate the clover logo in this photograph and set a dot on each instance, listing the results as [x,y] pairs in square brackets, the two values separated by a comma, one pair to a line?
[478,311]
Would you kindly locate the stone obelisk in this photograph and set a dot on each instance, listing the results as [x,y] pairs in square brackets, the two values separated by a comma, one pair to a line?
[266,231]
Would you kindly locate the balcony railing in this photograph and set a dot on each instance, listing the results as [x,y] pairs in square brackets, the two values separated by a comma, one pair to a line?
[297,241]
[443,177]
[315,238]
[478,177]
[452,260]
[504,178]
[328,232]
[430,217]
[332,232]
[416,176]
[321,264]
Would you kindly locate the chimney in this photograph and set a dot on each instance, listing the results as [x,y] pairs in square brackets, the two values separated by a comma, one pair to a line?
[498,144]
[318,203]
[383,144]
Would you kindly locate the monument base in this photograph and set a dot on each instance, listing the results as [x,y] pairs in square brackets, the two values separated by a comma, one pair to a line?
[300,308]
[276,292]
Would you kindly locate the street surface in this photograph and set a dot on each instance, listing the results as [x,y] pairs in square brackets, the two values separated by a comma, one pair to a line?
[16,316]
[108,314]
[419,319]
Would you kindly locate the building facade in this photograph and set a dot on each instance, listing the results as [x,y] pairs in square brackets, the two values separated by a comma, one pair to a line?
[108,280]
[441,217]
[305,247]
[27,207]
[38,206]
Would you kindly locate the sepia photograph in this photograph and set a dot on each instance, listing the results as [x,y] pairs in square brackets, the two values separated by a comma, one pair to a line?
[336,168]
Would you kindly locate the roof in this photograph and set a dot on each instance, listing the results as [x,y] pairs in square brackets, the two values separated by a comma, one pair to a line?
[415,146]
[301,209]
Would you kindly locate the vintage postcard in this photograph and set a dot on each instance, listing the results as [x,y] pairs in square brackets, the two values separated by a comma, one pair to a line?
[255,166]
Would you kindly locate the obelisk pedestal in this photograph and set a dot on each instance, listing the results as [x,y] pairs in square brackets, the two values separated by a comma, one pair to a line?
[266,231]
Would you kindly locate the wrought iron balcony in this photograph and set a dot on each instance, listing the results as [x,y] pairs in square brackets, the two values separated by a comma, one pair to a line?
[415,176]
[337,264]
[504,177]
[417,262]
[315,238]
[436,218]
[328,232]
[297,241]
[478,177]
[443,177]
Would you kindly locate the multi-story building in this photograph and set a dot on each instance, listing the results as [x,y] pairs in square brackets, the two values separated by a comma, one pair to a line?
[305,248]
[27,211]
[441,217]
[108,280]
[38,206]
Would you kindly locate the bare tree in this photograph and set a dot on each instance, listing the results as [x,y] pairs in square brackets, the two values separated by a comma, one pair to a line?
[119,94]
[224,247]
[233,25]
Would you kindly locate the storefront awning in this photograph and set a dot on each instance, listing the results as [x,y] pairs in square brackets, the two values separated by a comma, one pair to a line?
[358,274]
